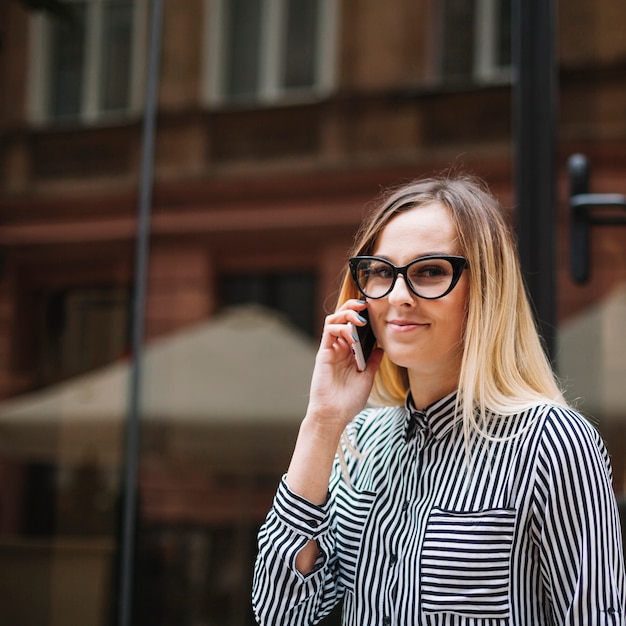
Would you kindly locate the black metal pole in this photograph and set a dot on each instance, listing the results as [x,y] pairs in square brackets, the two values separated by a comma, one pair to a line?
[131,449]
[534,107]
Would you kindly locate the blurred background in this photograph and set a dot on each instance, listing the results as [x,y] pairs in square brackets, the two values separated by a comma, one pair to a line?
[278,123]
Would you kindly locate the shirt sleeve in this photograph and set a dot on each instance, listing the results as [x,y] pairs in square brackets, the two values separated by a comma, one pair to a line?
[582,557]
[280,593]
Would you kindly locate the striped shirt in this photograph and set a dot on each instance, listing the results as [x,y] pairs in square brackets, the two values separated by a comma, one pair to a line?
[428,530]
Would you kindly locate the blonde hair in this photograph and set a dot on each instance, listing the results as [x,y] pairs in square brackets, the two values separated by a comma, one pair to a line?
[504,368]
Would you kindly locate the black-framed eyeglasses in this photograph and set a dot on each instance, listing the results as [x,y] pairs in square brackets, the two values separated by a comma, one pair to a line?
[428,277]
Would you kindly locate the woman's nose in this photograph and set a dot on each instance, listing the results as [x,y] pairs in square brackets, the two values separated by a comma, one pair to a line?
[401,294]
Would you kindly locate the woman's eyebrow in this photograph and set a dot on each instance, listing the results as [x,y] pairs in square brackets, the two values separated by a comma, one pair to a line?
[420,256]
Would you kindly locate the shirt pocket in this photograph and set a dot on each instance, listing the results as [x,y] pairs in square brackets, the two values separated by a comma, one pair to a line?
[352,511]
[465,562]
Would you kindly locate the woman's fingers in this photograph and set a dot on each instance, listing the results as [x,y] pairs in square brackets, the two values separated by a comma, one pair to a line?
[351,308]
[338,324]
[339,331]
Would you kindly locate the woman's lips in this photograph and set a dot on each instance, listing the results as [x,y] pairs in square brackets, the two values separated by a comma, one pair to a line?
[404,326]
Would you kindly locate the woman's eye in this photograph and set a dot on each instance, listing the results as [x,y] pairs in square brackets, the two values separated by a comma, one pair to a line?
[380,272]
[430,271]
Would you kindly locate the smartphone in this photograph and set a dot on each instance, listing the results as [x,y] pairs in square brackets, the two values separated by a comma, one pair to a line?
[363,347]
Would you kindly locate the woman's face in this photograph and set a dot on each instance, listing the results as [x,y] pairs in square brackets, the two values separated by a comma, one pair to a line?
[424,336]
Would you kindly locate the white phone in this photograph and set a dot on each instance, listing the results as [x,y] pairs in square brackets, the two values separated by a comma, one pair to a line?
[363,346]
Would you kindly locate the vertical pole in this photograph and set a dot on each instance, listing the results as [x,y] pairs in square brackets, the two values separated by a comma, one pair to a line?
[131,449]
[534,104]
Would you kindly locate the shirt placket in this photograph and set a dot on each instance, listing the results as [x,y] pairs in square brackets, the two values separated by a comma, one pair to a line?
[400,554]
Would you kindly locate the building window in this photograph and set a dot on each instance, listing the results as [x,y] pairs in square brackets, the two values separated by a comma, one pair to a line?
[81,330]
[268,50]
[292,294]
[88,65]
[481,53]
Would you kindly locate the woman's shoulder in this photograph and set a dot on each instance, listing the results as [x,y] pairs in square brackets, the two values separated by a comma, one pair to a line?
[545,423]
[564,431]
[545,414]
[571,455]
[568,420]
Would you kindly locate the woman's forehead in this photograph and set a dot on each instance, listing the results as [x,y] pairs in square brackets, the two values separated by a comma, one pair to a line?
[419,231]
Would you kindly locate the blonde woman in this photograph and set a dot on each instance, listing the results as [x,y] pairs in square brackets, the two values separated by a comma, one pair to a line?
[472,494]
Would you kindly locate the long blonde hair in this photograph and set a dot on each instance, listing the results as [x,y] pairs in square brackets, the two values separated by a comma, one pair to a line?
[504,367]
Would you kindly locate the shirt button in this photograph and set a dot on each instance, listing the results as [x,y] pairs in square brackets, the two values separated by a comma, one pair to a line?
[393,558]
[394,593]
[405,506]
[386,620]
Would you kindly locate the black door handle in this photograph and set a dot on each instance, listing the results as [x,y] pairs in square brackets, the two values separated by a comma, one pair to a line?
[582,205]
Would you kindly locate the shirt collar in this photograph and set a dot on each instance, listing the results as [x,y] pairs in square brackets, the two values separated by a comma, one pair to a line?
[437,418]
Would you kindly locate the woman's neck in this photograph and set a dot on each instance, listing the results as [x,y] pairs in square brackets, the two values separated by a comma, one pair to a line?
[425,390]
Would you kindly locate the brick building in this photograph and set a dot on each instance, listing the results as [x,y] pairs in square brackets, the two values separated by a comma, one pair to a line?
[277,125]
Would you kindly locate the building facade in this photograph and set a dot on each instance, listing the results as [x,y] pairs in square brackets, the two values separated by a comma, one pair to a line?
[278,124]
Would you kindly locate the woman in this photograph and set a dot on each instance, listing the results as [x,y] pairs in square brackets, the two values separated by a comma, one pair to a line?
[473,494]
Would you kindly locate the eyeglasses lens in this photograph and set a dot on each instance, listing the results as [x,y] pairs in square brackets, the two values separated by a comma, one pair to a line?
[428,278]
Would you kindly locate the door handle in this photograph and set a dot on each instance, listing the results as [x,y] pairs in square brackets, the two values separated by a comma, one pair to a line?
[583,214]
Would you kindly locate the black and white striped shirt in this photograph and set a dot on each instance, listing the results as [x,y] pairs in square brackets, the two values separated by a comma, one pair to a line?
[520,531]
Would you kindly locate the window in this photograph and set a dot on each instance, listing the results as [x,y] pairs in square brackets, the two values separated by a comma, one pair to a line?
[81,330]
[88,65]
[292,294]
[481,53]
[268,50]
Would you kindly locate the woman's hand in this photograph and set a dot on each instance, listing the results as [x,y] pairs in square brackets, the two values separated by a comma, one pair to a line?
[338,392]
[338,389]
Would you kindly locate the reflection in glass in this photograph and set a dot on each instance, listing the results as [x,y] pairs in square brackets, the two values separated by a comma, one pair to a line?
[67,61]
[243,28]
[301,47]
[116,52]
[89,58]
[221,404]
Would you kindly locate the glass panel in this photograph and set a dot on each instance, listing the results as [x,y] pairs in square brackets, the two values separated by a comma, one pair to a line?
[458,39]
[222,402]
[477,39]
[60,448]
[503,34]
[67,63]
[291,294]
[211,456]
[116,55]
[592,362]
[243,45]
[300,53]
[80,330]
